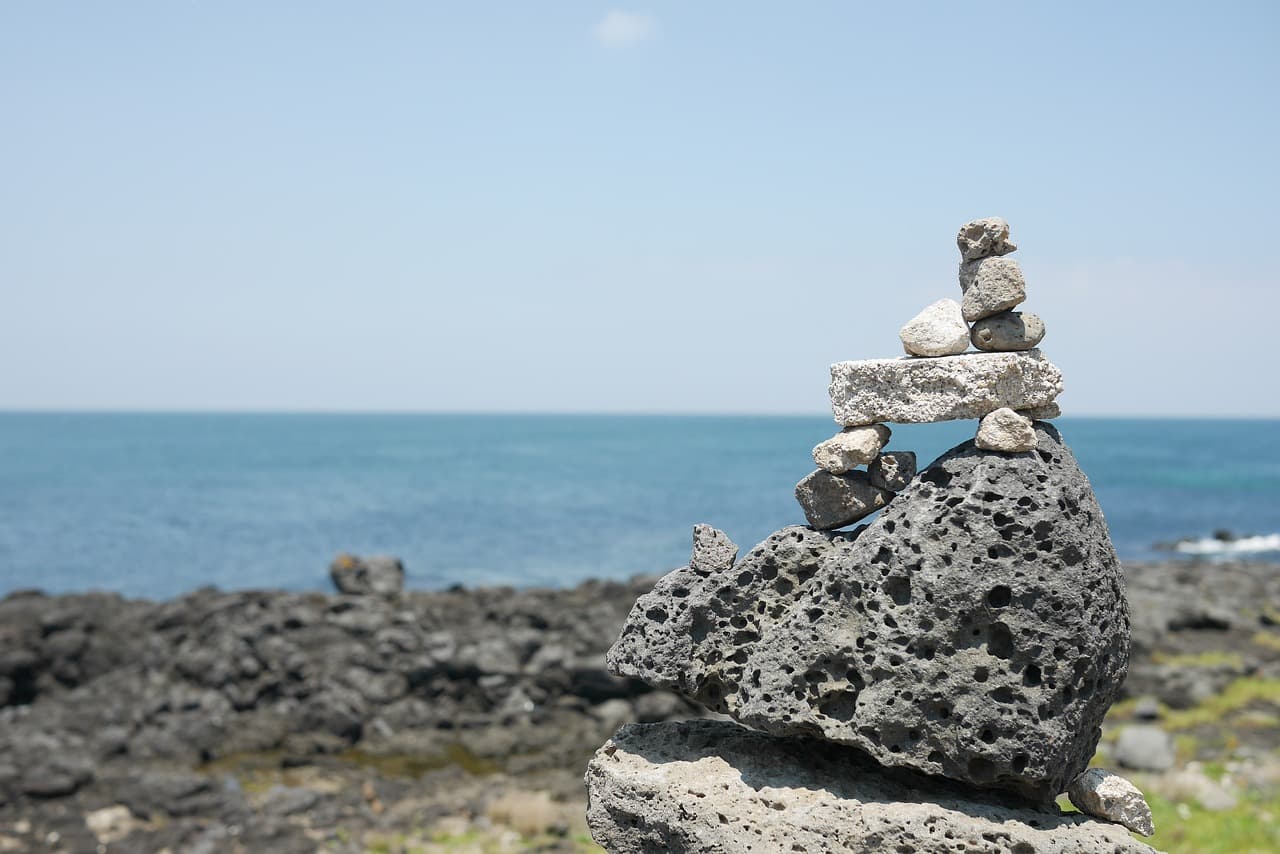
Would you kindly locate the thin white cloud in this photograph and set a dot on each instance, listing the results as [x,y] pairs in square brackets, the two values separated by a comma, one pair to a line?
[623,29]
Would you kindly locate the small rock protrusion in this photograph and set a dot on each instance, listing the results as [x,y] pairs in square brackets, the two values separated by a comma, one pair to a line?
[990,286]
[1008,331]
[832,501]
[1109,796]
[983,238]
[713,551]
[376,575]
[938,330]
[1007,431]
[850,448]
[892,470]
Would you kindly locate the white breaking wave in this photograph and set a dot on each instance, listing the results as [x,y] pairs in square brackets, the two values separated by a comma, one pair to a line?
[1243,545]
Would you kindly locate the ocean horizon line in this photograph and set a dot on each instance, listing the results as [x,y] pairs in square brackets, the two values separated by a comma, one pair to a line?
[551,413]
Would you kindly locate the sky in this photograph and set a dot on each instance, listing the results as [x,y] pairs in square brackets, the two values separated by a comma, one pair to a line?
[586,207]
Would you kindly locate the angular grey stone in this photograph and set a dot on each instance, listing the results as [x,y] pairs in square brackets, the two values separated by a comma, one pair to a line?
[1144,748]
[713,551]
[850,448]
[915,391]
[1104,795]
[712,786]
[977,628]
[1041,413]
[984,237]
[1007,431]
[892,470]
[938,330]
[990,286]
[834,500]
[377,575]
[1008,331]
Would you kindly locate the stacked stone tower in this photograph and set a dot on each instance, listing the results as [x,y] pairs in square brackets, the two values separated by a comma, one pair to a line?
[935,677]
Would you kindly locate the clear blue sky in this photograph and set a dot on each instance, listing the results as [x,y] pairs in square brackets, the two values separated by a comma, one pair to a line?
[581,206]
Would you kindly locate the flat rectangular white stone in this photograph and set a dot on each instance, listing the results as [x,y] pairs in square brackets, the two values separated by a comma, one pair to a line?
[921,390]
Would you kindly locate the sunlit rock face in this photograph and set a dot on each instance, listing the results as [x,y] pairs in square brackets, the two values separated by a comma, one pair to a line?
[976,629]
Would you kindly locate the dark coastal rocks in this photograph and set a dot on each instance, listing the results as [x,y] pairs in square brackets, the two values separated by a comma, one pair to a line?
[977,629]
[377,575]
[703,786]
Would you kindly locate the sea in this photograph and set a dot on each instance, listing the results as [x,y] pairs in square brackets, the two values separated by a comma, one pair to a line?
[155,505]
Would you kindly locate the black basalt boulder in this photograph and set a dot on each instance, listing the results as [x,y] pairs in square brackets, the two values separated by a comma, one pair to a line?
[976,629]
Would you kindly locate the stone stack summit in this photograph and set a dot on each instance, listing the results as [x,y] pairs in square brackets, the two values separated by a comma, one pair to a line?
[935,677]
[1007,387]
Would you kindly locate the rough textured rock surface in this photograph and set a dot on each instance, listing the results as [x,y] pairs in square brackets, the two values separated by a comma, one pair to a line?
[1041,413]
[1007,431]
[938,330]
[1101,794]
[914,391]
[850,448]
[892,470]
[976,629]
[377,575]
[1008,331]
[982,238]
[713,551]
[712,786]
[832,501]
[990,286]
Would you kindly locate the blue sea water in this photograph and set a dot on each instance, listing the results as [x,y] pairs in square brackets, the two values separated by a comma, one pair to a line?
[155,505]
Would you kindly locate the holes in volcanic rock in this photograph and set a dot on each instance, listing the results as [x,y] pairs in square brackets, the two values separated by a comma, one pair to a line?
[1031,676]
[840,705]
[898,588]
[999,596]
[982,770]
[1000,641]
[658,615]
[937,476]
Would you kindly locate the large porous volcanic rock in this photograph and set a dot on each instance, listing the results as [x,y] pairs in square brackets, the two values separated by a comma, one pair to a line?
[701,786]
[976,629]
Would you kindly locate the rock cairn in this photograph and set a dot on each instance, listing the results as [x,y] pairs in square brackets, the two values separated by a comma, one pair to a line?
[930,681]
[1007,390]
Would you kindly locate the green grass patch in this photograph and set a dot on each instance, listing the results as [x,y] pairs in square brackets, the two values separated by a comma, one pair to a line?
[412,767]
[1238,695]
[1269,640]
[1206,659]
[1248,828]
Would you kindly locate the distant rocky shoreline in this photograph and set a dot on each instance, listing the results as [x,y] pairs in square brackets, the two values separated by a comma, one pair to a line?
[269,720]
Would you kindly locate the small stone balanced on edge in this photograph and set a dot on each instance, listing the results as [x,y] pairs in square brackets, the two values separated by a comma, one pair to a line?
[933,678]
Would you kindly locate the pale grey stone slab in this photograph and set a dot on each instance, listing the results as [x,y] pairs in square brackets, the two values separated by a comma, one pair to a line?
[915,390]
[712,786]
